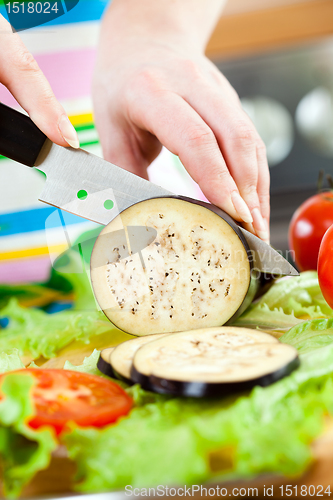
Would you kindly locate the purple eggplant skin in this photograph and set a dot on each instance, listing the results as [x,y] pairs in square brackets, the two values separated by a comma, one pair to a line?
[106,368]
[210,390]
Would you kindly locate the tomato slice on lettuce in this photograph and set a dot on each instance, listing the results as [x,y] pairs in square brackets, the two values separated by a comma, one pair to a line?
[62,396]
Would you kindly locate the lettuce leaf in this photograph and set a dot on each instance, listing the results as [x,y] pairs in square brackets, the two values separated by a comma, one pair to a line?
[300,295]
[35,333]
[10,361]
[167,440]
[310,335]
[178,440]
[287,303]
[261,316]
[23,451]
[89,364]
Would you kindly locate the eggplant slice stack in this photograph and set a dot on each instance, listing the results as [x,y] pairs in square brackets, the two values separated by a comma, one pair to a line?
[195,273]
[117,361]
[103,363]
[202,363]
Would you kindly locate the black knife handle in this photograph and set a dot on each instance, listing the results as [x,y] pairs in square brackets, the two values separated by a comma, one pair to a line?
[20,139]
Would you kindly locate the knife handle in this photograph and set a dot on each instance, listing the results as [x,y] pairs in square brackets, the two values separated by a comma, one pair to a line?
[20,139]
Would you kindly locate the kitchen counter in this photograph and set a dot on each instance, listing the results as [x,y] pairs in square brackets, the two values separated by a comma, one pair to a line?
[253,26]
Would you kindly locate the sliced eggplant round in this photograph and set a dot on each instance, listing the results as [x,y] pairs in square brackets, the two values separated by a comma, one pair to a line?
[195,273]
[212,362]
[103,363]
[116,362]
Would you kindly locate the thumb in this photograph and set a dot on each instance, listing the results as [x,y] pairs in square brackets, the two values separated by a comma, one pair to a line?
[20,73]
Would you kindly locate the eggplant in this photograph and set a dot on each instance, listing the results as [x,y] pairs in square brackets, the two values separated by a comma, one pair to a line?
[103,363]
[195,273]
[213,362]
[116,362]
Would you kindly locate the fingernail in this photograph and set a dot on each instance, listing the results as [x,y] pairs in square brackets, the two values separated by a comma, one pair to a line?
[241,207]
[68,132]
[259,225]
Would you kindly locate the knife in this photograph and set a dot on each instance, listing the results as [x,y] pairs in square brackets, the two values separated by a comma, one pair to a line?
[90,187]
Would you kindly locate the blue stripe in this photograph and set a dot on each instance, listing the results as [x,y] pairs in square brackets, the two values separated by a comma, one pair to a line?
[86,10]
[34,220]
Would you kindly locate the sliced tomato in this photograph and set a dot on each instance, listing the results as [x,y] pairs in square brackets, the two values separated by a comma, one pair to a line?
[62,396]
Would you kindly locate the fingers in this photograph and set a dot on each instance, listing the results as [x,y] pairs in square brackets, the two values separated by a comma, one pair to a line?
[20,73]
[117,148]
[263,184]
[179,127]
[242,149]
[124,144]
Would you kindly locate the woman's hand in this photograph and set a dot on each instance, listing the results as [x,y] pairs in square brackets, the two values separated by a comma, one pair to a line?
[20,73]
[155,87]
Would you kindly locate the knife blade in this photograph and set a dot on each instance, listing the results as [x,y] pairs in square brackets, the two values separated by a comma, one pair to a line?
[107,189]
[90,187]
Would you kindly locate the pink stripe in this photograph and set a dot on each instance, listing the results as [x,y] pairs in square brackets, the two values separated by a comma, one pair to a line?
[69,74]
[25,271]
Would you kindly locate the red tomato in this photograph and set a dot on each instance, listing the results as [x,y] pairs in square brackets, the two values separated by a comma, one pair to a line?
[307,227]
[325,266]
[61,396]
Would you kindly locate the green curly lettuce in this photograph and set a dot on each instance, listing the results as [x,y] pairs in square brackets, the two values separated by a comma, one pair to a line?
[23,451]
[167,440]
[310,335]
[175,440]
[35,333]
[10,361]
[298,295]
[261,316]
[287,303]
[89,364]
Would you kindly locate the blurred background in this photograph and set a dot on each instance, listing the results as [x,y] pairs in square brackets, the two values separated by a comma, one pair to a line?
[278,55]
